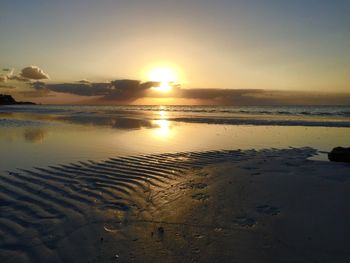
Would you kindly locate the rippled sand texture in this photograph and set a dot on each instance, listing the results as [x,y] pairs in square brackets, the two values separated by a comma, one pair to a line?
[49,213]
[183,207]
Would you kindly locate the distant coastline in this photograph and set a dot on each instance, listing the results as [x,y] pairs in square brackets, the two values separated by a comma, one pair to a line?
[9,100]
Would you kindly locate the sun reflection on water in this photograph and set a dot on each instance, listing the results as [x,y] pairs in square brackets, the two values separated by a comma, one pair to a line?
[163,114]
[163,129]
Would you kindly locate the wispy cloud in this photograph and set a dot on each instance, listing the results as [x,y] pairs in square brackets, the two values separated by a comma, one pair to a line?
[5,74]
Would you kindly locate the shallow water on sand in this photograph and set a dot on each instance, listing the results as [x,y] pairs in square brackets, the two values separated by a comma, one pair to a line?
[30,139]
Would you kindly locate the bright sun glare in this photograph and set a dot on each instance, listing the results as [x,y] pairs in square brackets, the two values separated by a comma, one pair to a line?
[165,76]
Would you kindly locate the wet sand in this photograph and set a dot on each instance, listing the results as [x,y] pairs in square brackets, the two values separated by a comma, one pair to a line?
[219,206]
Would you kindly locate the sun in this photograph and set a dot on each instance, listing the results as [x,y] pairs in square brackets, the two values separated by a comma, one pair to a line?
[165,76]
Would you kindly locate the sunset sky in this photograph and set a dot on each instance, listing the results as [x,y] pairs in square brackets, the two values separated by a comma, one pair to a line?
[280,46]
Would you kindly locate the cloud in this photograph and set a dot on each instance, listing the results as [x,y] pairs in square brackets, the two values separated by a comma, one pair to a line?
[128,91]
[27,74]
[6,74]
[33,73]
[84,81]
[82,89]
[119,90]
[260,97]
[18,78]
[224,96]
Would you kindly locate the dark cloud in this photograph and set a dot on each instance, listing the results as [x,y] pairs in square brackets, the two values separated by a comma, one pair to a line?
[242,97]
[84,81]
[119,90]
[215,93]
[96,89]
[38,85]
[93,89]
[34,73]
[224,96]
[127,90]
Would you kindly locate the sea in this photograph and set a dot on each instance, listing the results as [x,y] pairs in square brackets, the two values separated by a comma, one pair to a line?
[42,135]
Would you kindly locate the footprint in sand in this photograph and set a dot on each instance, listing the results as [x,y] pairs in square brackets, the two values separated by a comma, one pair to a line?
[200,196]
[244,221]
[268,210]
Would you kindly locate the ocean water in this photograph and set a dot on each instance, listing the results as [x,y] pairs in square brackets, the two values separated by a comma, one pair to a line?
[330,111]
[43,135]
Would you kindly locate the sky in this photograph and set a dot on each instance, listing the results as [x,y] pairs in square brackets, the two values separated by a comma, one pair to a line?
[257,45]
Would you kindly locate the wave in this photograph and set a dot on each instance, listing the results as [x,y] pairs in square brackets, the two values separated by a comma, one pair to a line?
[340,111]
[265,122]
[132,117]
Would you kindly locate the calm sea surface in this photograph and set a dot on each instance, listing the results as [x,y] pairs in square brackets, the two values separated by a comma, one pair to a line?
[46,135]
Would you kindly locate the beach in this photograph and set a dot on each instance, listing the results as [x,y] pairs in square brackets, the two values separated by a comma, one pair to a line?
[151,187]
[174,131]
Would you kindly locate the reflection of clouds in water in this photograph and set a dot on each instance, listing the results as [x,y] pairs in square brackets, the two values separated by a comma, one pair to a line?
[34,135]
[17,123]
[110,121]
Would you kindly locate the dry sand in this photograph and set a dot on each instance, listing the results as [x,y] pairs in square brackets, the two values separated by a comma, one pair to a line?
[228,206]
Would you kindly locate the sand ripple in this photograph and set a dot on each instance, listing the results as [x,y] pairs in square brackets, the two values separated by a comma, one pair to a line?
[42,208]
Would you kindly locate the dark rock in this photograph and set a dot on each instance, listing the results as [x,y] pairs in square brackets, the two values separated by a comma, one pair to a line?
[9,100]
[339,154]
